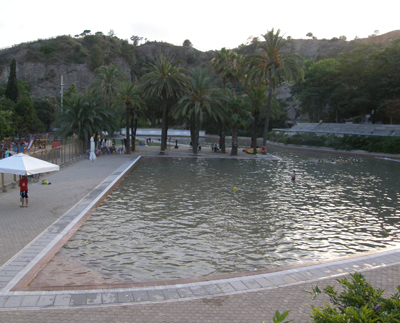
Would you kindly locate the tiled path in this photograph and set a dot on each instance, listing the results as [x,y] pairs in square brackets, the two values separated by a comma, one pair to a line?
[29,233]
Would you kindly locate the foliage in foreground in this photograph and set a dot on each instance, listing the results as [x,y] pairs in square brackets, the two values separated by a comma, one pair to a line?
[389,145]
[358,302]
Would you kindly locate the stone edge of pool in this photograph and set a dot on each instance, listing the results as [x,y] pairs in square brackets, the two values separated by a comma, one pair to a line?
[16,274]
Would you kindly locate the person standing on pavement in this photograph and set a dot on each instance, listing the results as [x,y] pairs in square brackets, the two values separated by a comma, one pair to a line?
[7,153]
[23,186]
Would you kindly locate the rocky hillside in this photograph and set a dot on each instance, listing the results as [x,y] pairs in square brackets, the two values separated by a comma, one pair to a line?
[41,63]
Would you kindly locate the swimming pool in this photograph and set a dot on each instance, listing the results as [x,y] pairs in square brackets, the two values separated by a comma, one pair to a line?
[181,218]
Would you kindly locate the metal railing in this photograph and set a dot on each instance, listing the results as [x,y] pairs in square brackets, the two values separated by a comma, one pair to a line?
[62,155]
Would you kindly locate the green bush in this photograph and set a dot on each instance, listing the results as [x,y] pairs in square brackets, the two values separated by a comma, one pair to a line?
[79,58]
[91,40]
[77,47]
[389,145]
[47,49]
[358,302]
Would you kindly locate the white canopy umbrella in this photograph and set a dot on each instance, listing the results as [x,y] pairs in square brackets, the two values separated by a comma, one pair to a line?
[92,155]
[22,164]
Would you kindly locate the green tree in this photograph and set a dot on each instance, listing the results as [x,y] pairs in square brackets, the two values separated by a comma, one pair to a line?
[46,107]
[107,80]
[46,49]
[238,116]
[23,89]
[85,115]
[25,119]
[273,66]
[385,79]
[319,88]
[257,99]
[392,109]
[71,90]
[96,57]
[357,73]
[12,88]
[129,97]
[7,127]
[85,32]
[5,123]
[233,69]
[203,98]
[136,40]
[233,72]
[218,65]
[187,43]
[167,80]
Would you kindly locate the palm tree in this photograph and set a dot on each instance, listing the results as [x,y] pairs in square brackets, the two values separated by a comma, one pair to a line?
[167,80]
[273,66]
[233,73]
[107,79]
[238,116]
[218,64]
[257,99]
[128,96]
[202,98]
[228,65]
[85,115]
[233,70]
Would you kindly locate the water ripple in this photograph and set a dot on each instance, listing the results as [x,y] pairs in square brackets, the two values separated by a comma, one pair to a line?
[180,218]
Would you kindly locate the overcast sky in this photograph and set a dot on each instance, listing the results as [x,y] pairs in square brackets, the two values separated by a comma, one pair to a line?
[207,24]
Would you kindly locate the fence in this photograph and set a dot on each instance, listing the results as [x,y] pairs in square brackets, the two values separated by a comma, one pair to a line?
[61,154]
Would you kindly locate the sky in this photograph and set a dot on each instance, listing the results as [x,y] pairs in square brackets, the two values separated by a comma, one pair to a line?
[209,25]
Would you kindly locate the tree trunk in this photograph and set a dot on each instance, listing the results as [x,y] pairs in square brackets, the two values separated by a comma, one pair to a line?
[266,124]
[222,135]
[222,145]
[196,134]
[164,125]
[234,150]
[133,135]
[255,116]
[134,132]
[192,129]
[127,139]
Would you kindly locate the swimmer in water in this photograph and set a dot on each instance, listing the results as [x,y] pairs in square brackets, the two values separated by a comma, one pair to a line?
[293,176]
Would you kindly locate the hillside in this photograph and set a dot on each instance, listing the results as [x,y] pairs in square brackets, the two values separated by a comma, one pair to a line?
[41,63]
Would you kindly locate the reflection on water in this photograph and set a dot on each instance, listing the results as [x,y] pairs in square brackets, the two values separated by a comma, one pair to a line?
[181,218]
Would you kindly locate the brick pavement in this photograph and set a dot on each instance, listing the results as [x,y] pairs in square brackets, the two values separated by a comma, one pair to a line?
[19,226]
[252,307]
[253,304]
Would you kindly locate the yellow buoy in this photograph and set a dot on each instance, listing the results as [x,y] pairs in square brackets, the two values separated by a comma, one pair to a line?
[234,189]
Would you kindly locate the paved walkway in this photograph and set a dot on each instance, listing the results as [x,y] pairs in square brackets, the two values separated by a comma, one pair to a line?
[27,235]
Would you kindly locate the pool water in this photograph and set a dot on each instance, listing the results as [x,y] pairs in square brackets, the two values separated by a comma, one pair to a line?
[181,218]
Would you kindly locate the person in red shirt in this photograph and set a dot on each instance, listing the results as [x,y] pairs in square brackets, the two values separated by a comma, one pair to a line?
[23,185]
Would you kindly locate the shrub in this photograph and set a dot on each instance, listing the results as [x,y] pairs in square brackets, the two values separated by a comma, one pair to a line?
[77,47]
[47,49]
[91,40]
[389,145]
[358,302]
[79,58]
